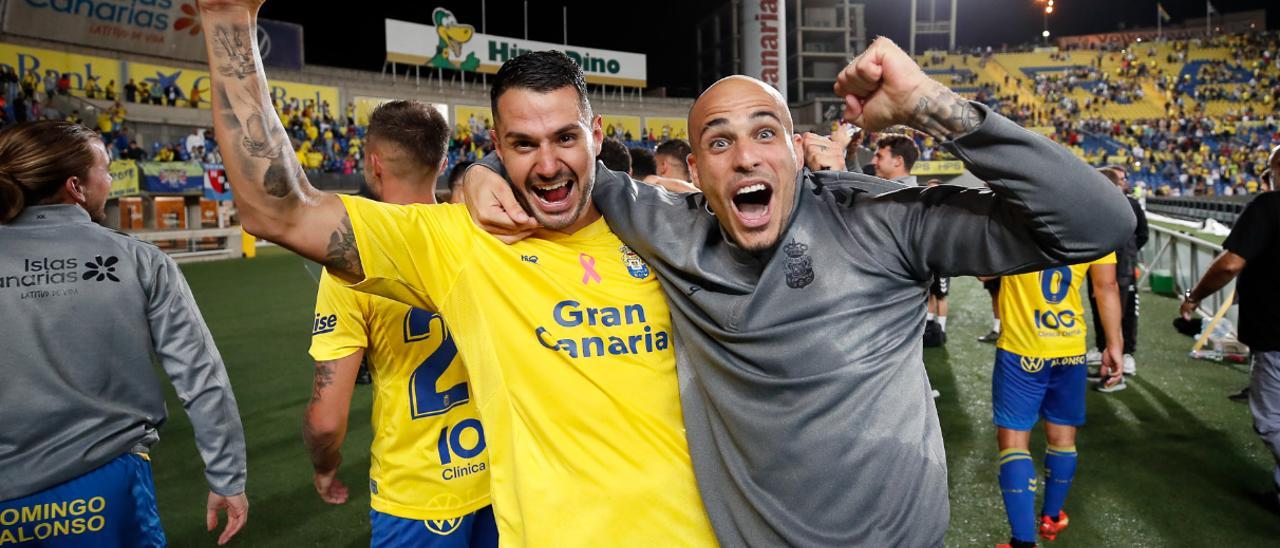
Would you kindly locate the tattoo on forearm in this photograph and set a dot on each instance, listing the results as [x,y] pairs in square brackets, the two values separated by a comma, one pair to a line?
[258,135]
[945,115]
[342,255]
[324,377]
[235,51]
[284,174]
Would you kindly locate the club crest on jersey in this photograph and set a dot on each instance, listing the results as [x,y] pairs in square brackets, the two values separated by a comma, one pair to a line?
[635,265]
[443,527]
[799,265]
[1031,365]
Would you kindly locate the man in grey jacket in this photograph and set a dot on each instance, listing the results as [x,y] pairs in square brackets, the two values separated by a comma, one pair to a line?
[799,299]
[87,310]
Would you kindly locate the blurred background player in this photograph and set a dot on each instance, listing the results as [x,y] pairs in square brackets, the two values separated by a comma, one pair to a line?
[938,296]
[643,164]
[894,157]
[422,495]
[1126,279]
[667,172]
[456,195]
[1040,371]
[672,159]
[81,403]
[615,155]
[1252,252]
[992,285]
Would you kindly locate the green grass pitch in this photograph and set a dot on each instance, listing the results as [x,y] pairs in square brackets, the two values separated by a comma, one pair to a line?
[1168,462]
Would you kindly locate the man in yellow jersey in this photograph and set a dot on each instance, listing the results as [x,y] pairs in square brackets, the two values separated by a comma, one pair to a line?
[566,335]
[428,475]
[1040,372]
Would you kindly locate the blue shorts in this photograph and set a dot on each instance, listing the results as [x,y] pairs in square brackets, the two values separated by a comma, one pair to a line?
[114,505]
[476,529]
[1024,389]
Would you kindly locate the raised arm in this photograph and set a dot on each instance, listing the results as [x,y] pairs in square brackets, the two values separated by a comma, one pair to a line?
[1048,206]
[272,194]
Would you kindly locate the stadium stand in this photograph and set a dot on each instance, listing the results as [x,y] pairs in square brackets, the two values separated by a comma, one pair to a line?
[1188,117]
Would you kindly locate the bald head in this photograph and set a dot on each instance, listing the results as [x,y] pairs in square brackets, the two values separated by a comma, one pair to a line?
[732,93]
[746,157]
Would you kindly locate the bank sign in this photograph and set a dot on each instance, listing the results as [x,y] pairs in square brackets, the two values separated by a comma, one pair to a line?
[170,28]
[454,46]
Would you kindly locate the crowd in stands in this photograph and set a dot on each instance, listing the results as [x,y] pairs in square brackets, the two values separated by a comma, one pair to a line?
[1181,156]
[1187,152]
[321,142]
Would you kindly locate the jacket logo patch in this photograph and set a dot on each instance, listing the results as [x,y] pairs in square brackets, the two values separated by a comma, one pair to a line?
[101,270]
[799,265]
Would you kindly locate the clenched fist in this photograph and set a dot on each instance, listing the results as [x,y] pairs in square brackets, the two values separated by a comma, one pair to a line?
[884,87]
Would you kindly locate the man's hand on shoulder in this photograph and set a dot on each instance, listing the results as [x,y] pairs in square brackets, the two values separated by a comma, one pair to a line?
[826,153]
[493,206]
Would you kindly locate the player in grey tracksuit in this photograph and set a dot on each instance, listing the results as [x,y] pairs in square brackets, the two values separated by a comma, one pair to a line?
[808,413]
[87,312]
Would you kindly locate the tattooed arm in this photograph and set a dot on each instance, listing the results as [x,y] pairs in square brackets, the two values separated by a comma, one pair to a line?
[272,194]
[884,87]
[324,427]
[1045,206]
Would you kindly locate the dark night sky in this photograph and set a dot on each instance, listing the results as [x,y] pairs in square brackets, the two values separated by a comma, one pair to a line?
[663,29]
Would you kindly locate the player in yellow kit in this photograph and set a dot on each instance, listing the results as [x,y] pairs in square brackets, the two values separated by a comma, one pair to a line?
[566,336]
[1040,372]
[428,473]
[567,341]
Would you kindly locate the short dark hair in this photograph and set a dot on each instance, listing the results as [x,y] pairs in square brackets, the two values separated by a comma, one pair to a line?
[642,163]
[901,146]
[614,155]
[675,148]
[543,72]
[419,129]
[1112,173]
[679,150]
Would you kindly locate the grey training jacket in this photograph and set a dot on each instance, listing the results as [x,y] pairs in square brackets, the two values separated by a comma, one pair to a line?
[806,405]
[85,310]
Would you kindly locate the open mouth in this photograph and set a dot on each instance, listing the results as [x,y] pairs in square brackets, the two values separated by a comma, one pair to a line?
[752,204]
[555,193]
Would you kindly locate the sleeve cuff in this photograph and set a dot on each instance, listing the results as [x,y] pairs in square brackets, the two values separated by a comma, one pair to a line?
[989,119]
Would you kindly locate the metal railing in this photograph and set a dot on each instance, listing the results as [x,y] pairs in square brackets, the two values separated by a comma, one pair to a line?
[195,245]
[1223,209]
[1184,259]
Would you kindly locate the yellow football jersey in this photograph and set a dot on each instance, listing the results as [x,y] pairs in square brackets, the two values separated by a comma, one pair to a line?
[567,341]
[1042,314]
[428,458]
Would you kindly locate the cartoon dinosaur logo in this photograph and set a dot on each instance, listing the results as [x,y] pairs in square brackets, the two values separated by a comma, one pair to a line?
[452,36]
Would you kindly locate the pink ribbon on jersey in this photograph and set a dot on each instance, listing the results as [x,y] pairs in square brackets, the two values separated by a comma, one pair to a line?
[588,268]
